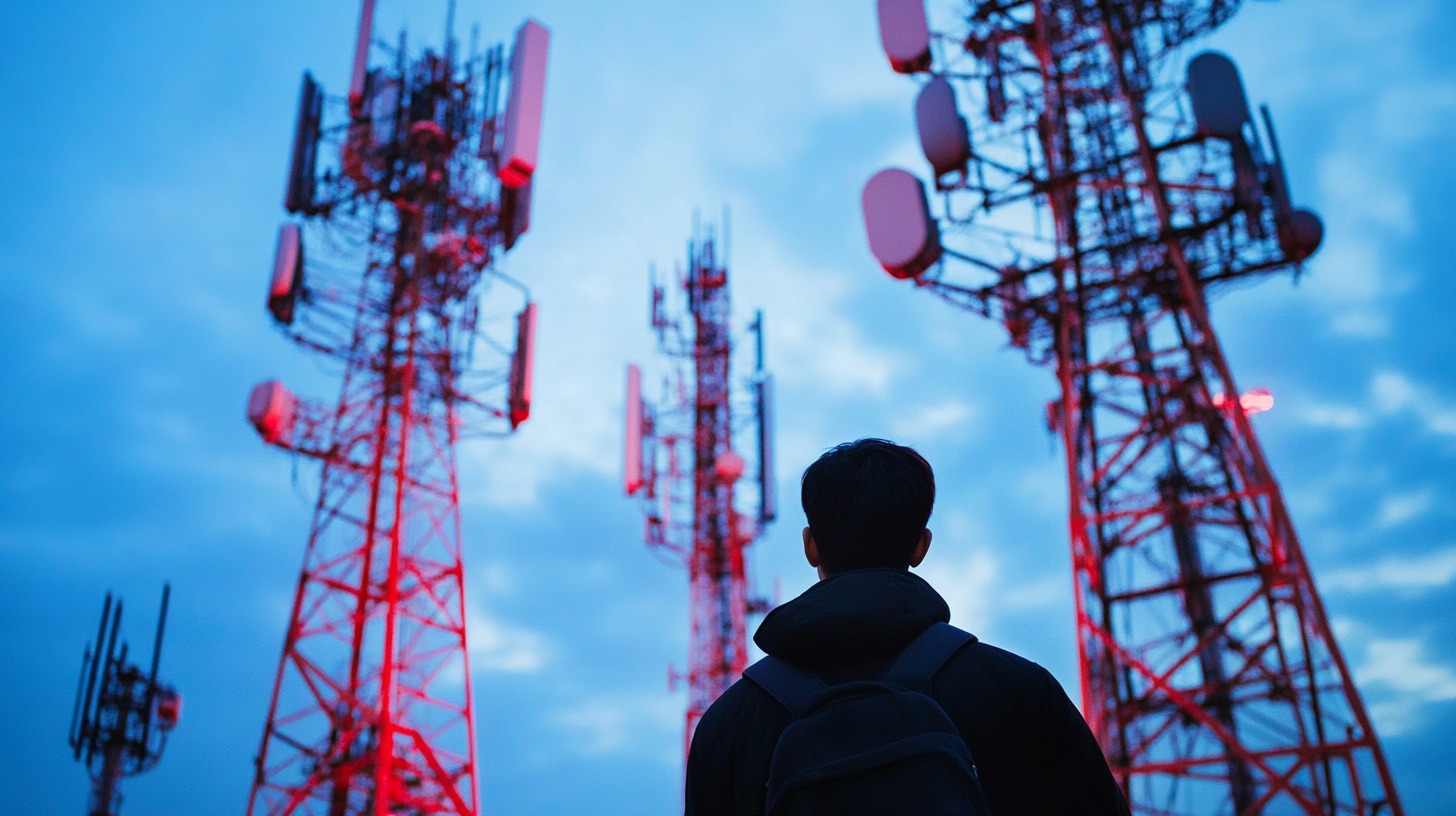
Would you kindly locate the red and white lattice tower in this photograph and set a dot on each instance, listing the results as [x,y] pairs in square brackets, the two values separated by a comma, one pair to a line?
[1101,191]
[371,708]
[681,461]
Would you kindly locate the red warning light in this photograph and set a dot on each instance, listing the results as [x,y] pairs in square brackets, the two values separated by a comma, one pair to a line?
[1253,401]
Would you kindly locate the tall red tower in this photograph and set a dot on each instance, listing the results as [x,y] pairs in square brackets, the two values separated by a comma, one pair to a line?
[681,460]
[371,710]
[1102,191]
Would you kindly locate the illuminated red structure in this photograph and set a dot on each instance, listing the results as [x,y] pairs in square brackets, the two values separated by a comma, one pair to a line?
[1092,205]
[681,460]
[371,710]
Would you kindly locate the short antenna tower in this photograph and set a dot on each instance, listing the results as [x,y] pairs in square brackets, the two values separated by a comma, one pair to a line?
[122,715]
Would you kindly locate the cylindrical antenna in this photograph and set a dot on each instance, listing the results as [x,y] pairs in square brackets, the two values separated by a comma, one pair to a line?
[450,31]
[72,737]
[758,332]
[84,736]
[1281,200]
[105,671]
[161,625]
[156,660]
[727,237]
[767,498]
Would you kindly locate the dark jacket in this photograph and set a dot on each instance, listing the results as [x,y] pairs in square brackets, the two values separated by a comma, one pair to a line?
[1032,748]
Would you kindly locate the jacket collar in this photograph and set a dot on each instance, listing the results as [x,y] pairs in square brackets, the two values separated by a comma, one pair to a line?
[852,617]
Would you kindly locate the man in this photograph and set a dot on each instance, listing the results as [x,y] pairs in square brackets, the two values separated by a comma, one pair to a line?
[867,504]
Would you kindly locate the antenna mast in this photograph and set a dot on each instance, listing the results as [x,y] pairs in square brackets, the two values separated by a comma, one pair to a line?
[682,463]
[122,717]
[1091,206]
[371,711]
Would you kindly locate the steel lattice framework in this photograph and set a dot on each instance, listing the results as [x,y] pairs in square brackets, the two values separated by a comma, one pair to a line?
[681,459]
[1091,206]
[371,711]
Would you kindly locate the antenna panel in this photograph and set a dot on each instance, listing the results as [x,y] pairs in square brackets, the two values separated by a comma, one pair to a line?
[767,491]
[523,363]
[298,197]
[515,213]
[287,274]
[522,138]
[903,237]
[384,110]
[632,468]
[905,34]
[943,135]
[361,56]
[271,410]
[1220,107]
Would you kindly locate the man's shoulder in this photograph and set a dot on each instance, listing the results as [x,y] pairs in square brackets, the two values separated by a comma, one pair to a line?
[981,668]
[995,658]
[731,748]
[742,709]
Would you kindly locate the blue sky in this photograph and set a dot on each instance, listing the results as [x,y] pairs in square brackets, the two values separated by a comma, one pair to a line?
[144,147]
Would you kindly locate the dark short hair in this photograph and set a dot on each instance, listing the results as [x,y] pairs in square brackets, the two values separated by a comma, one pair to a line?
[867,503]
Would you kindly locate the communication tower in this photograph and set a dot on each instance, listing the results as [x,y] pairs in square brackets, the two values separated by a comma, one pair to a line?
[121,718]
[371,711]
[1101,192]
[682,463]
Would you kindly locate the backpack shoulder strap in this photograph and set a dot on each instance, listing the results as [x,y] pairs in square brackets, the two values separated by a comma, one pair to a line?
[917,665]
[790,685]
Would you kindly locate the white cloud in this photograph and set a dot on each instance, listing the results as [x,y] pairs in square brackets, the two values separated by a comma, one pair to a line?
[1044,487]
[966,584]
[496,646]
[1358,323]
[495,580]
[1042,593]
[1402,507]
[1415,110]
[1365,211]
[1378,200]
[1339,417]
[1403,682]
[930,421]
[611,723]
[1392,392]
[1409,574]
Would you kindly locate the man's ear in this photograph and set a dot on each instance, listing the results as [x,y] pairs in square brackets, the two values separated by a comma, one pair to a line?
[921,549]
[811,549]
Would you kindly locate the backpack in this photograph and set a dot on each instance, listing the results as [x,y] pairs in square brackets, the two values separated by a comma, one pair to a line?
[871,746]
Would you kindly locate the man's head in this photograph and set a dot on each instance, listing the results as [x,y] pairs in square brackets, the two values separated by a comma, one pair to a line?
[867,503]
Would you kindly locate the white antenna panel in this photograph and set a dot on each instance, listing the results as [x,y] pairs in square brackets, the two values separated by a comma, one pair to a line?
[943,135]
[903,237]
[632,466]
[522,138]
[523,365]
[1220,107]
[271,410]
[905,34]
[287,274]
